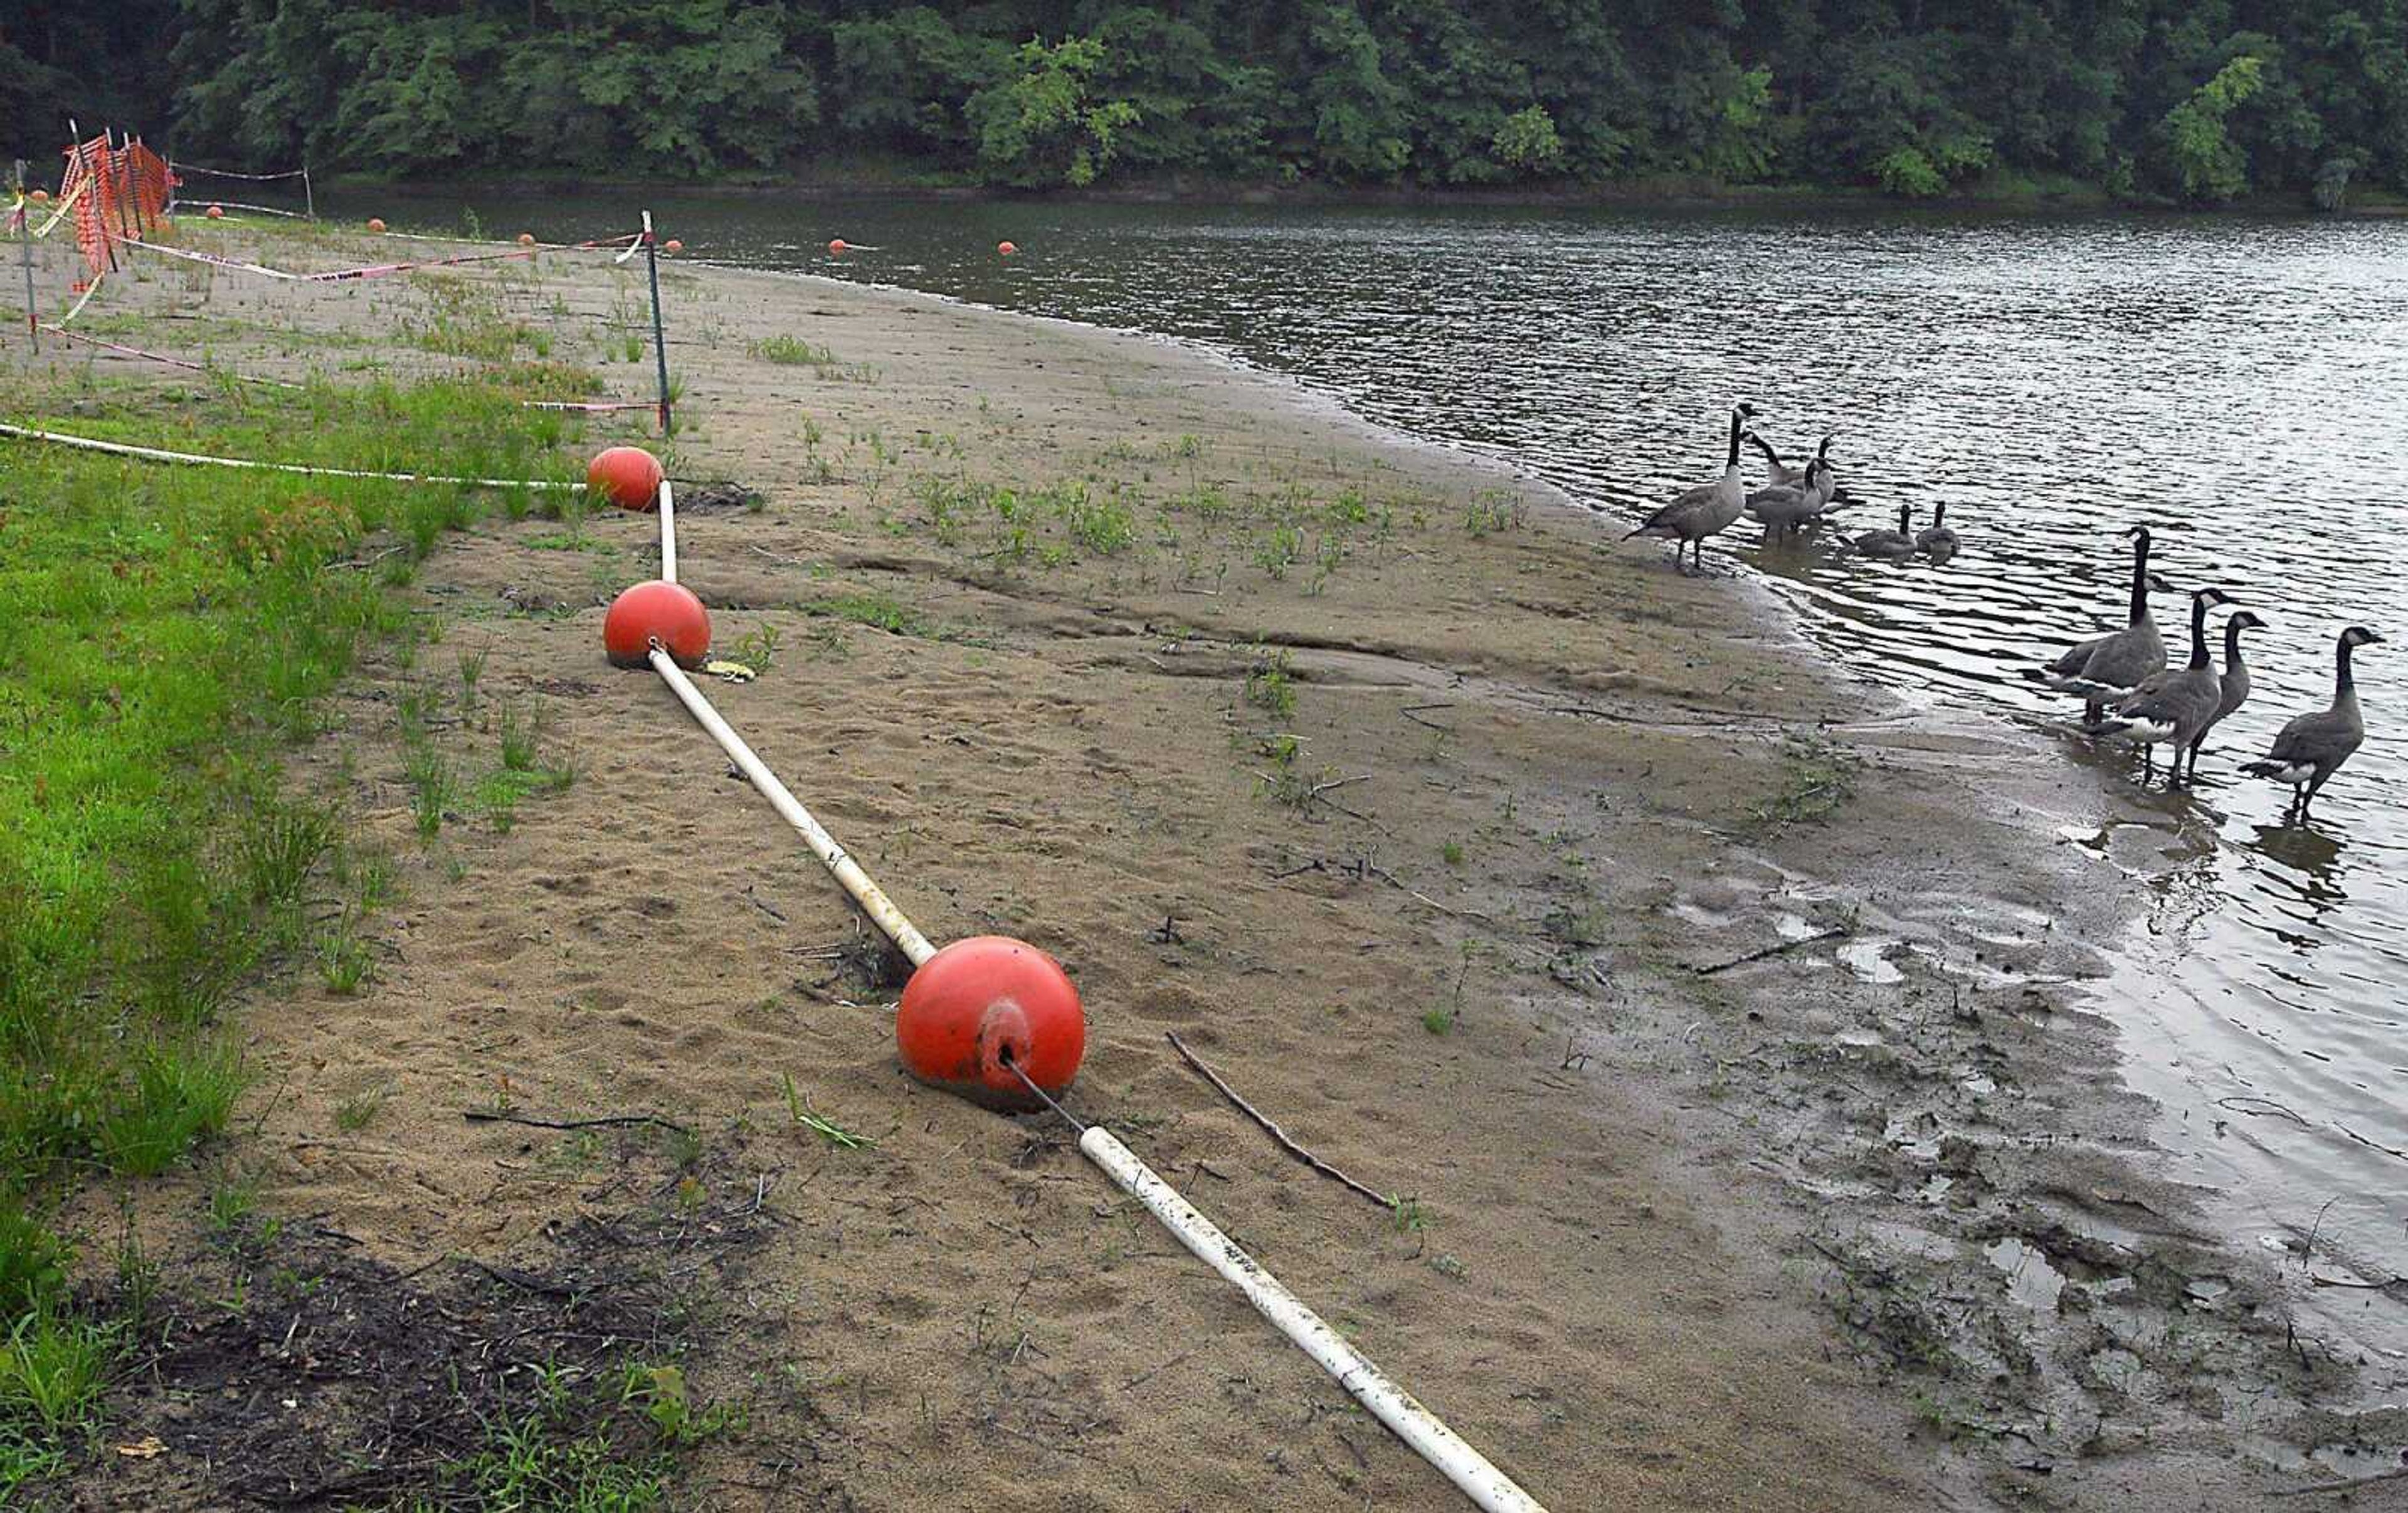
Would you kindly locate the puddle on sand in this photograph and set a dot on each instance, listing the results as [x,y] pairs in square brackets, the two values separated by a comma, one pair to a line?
[2031,1279]
[1869,959]
[1791,927]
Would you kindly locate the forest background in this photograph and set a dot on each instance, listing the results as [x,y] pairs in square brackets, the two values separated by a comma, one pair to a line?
[2180,101]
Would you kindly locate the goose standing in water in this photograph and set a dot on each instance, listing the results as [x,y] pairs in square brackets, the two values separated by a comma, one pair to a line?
[1709,508]
[2176,707]
[1784,507]
[2311,748]
[1779,474]
[1937,540]
[2235,681]
[1890,545]
[2109,667]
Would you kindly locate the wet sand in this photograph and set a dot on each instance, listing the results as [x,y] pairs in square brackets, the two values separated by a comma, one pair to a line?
[1868,1222]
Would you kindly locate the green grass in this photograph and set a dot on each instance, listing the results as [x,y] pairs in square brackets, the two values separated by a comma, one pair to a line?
[171,631]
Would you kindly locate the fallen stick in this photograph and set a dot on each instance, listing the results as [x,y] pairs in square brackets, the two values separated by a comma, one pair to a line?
[2352,1484]
[1835,932]
[482,1116]
[1277,1134]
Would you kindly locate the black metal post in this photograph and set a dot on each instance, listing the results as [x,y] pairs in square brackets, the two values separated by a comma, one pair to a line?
[660,341]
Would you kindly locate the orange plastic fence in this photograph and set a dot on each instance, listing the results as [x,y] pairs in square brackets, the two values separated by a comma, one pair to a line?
[127,196]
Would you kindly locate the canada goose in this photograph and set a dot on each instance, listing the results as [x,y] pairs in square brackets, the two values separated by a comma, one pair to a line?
[1779,474]
[2311,748]
[2235,680]
[2176,707]
[1936,540]
[1783,507]
[2109,667]
[1709,508]
[1890,545]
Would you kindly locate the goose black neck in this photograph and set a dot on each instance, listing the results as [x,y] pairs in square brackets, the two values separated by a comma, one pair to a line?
[2342,681]
[1939,517]
[2197,631]
[1905,519]
[1733,462]
[2233,640]
[2139,579]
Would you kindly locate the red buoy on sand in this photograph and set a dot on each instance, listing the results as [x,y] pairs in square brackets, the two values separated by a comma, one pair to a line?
[40,196]
[376,226]
[982,1006]
[672,245]
[628,477]
[836,247]
[1005,248]
[217,213]
[526,239]
[656,611]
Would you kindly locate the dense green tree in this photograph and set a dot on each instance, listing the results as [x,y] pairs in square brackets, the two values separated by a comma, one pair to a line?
[2197,101]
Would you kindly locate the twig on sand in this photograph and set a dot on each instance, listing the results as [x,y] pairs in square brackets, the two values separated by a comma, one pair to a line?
[1415,713]
[1386,876]
[1277,1134]
[487,1116]
[2350,1485]
[1835,932]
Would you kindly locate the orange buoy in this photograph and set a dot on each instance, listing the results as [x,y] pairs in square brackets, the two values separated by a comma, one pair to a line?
[376,226]
[672,245]
[1005,248]
[628,477]
[836,247]
[526,239]
[982,1006]
[217,213]
[42,196]
[652,611]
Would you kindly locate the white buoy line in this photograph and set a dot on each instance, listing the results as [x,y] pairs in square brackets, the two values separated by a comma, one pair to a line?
[1422,1430]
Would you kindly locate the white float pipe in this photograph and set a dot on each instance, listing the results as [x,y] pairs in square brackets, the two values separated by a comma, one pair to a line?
[847,872]
[122,448]
[1430,1439]
[669,532]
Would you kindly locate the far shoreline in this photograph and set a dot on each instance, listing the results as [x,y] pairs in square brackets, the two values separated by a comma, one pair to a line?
[1677,195]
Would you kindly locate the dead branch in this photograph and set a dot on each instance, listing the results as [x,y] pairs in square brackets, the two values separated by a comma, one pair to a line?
[1277,1134]
[486,1115]
[1835,932]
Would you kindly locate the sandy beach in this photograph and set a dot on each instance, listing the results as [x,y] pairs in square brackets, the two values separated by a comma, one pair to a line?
[1722,1023]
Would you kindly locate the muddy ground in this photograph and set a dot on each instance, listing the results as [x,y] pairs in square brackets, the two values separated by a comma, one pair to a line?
[1428,814]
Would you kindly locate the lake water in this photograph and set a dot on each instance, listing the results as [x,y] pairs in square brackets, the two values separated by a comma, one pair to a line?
[2237,384]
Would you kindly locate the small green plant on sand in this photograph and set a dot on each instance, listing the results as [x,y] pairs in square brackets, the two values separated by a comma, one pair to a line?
[807,1118]
[1816,780]
[1269,684]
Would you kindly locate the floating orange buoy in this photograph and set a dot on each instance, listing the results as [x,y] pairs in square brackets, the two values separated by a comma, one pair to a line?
[217,213]
[1005,248]
[526,239]
[672,245]
[836,247]
[376,226]
[42,196]
[628,477]
[982,1006]
[656,611]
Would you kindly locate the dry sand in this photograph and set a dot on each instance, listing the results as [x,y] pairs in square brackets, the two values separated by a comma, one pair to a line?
[1676,1240]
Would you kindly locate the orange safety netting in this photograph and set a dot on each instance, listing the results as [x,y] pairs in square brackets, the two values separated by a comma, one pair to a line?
[127,187]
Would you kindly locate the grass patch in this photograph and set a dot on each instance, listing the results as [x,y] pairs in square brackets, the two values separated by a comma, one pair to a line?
[1818,779]
[171,632]
[877,610]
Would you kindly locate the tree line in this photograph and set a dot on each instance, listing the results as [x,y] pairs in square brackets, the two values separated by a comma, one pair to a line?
[2186,101]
